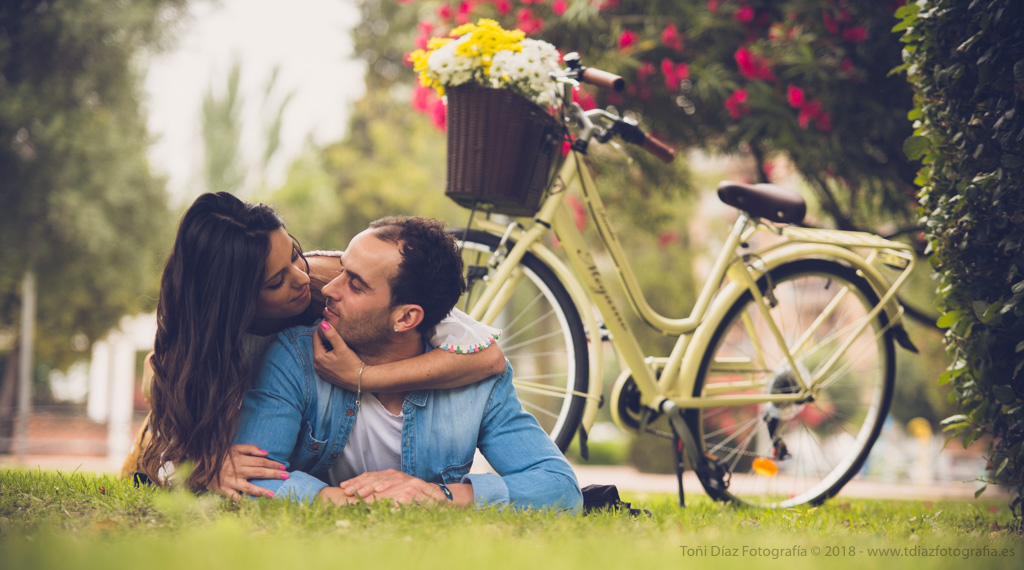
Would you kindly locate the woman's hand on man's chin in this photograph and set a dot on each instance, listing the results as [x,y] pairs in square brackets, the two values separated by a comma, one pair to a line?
[333,360]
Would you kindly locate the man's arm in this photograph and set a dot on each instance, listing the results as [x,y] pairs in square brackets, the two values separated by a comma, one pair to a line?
[533,472]
[272,417]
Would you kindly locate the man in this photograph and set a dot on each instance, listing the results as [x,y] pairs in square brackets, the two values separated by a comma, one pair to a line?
[397,280]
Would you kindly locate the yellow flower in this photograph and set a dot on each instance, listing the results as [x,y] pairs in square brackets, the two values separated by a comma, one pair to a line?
[434,43]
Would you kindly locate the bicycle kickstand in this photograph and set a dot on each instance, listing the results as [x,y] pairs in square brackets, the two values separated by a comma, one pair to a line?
[677,447]
[711,473]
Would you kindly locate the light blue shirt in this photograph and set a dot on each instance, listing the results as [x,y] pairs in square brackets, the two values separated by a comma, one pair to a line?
[304,423]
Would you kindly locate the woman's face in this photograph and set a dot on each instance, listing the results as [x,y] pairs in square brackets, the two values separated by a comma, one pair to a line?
[285,289]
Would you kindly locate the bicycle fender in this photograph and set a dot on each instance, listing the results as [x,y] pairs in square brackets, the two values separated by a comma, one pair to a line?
[733,290]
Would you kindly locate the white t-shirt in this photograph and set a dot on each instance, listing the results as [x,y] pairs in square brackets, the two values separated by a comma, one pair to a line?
[375,443]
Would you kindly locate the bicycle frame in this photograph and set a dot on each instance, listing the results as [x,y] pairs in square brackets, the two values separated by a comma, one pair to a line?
[672,379]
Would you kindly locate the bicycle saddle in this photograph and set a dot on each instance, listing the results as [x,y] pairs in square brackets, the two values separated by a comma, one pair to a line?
[769,201]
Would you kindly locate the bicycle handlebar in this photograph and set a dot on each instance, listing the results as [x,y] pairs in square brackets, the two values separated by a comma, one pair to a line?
[602,79]
[629,131]
[659,149]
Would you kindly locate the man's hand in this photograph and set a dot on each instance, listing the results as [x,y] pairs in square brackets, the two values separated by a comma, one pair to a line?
[246,462]
[395,486]
[339,365]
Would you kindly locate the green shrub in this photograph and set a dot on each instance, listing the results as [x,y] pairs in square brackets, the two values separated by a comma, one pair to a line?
[965,60]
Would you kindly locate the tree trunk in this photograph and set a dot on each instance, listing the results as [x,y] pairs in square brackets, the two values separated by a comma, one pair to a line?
[8,397]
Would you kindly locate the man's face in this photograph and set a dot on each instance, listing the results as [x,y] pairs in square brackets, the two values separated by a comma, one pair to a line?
[359,298]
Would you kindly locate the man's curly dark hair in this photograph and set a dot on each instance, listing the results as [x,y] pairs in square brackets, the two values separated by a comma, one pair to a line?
[430,273]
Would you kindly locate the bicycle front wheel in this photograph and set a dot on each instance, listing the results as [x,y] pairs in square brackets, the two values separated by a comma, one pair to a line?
[780,454]
[542,336]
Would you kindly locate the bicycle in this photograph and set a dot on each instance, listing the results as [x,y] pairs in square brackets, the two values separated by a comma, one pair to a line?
[782,374]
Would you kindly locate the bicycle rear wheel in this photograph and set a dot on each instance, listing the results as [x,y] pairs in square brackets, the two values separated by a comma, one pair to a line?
[789,453]
[542,337]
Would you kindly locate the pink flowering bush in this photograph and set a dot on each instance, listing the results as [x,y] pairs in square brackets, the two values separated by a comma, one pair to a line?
[805,79]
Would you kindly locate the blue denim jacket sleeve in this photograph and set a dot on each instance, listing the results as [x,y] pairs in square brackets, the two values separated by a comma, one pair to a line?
[274,411]
[532,472]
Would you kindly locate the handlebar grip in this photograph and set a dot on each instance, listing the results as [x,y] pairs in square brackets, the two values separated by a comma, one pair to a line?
[602,79]
[659,149]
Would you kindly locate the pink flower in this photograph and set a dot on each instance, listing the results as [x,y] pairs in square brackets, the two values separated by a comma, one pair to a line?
[753,66]
[559,7]
[578,213]
[670,38]
[438,115]
[846,65]
[736,104]
[855,34]
[444,12]
[607,5]
[713,6]
[586,99]
[795,96]
[529,23]
[830,23]
[421,97]
[813,111]
[667,238]
[674,73]
[626,39]
[744,15]
[465,12]
[503,7]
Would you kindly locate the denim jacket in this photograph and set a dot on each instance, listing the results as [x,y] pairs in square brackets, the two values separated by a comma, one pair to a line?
[304,423]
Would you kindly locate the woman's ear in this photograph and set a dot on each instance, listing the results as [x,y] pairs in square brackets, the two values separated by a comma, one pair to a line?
[407,317]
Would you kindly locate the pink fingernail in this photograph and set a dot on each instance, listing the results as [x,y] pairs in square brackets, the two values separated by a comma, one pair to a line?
[263,450]
[282,468]
[284,475]
[270,494]
[324,325]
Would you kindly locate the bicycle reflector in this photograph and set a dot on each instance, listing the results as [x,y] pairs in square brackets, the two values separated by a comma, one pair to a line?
[765,467]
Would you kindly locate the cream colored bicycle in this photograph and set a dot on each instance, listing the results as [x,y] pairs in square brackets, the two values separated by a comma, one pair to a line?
[782,374]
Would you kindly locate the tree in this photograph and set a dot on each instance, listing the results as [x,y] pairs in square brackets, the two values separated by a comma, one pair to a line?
[79,206]
[965,60]
[225,169]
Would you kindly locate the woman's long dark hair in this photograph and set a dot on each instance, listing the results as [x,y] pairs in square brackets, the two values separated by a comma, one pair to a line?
[208,296]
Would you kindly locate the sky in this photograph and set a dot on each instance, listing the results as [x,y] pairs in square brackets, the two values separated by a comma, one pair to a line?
[308,39]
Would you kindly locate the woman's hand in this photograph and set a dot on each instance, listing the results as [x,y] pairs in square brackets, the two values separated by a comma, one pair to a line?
[242,463]
[339,365]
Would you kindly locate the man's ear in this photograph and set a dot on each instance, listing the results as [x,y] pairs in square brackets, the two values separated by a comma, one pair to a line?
[407,317]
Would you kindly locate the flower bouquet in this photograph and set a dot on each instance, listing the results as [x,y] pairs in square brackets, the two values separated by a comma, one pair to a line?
[501,139]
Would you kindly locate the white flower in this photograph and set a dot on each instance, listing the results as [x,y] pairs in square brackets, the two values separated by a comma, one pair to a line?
[525,71]
[450,68]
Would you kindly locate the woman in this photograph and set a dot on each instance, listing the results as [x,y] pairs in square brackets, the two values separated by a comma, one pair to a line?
[234,278]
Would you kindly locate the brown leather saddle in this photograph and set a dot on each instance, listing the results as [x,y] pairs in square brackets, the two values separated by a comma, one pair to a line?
[769,201]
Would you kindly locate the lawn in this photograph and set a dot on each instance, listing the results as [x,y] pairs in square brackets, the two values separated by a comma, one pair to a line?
[67,521]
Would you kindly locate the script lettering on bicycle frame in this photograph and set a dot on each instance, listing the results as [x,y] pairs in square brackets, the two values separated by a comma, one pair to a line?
[592,276]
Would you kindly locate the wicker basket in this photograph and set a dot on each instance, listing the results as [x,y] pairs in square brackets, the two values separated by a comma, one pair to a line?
[501,149]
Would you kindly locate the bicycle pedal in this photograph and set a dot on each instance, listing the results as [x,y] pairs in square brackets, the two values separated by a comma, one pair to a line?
[715,473]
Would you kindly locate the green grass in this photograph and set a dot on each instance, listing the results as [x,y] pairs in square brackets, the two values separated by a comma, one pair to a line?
[50,520]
